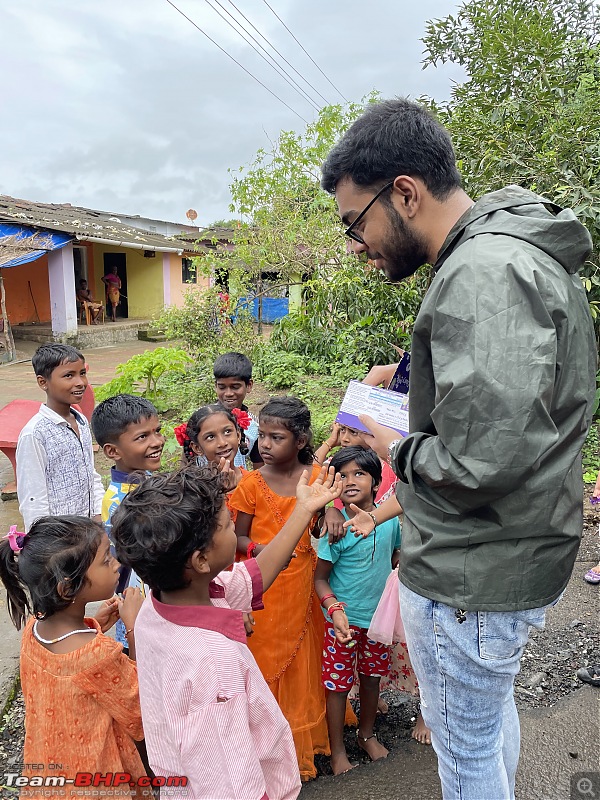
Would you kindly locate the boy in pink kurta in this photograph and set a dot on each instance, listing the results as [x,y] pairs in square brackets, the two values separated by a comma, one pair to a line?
[207,712]
[204,699]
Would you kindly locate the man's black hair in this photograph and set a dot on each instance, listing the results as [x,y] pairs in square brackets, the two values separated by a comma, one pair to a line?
[394,137]
[112,417]
[165,519]
[367,460]
[50,356]
[233,365]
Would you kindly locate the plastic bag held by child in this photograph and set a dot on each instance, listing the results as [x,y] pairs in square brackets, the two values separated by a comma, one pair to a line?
[386,624]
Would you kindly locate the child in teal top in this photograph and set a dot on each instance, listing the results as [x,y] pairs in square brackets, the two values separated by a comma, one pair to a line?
[349,581]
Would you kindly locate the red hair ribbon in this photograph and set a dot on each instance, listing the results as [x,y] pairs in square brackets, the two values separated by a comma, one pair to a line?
[181,433]
[244,420]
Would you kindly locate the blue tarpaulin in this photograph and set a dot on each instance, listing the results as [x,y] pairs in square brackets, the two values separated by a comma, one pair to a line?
[35,243]
[273,308]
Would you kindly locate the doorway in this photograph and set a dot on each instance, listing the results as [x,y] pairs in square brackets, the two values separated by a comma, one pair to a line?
[118,260]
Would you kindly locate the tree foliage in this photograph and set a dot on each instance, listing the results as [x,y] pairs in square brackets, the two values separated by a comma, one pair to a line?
[528,111]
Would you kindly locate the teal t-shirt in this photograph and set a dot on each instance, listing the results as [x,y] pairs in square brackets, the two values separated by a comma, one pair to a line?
[357,577]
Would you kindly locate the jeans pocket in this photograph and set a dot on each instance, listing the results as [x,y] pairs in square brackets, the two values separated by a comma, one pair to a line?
[503,634]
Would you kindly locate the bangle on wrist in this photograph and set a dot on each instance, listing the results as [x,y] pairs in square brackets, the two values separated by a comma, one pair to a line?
[327,597]
[250,550]
[127,632]
[372,515]
[339,605]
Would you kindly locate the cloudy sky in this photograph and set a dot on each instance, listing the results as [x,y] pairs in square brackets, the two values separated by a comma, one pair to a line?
[124,106]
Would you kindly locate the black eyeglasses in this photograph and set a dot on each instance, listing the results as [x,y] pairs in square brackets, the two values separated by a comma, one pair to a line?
[350,230]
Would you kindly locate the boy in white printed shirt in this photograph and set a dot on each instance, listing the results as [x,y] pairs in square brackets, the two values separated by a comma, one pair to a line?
[55,460]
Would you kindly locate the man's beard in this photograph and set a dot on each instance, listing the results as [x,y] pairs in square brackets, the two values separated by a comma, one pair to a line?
[402,250]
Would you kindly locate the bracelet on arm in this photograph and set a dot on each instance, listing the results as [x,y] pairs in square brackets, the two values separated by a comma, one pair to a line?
[370,513]
[127,632]
[327,597]
[250,550]
[337,606]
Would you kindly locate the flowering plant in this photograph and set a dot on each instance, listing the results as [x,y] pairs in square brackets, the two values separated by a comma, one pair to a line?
[244,419]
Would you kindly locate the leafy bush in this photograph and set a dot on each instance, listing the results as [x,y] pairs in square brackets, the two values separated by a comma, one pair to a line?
[204,327]
[350,320]
[280,370]
[142,374]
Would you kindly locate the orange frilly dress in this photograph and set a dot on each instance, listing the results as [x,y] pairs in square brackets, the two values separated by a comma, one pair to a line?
[82,712]
[288,636]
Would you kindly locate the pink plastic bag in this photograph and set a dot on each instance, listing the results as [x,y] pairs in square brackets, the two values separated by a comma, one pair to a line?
[386,624]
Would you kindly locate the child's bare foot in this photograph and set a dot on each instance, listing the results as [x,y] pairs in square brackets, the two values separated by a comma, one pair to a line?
[374,749]
[341,764]
[382,706]
[421,732]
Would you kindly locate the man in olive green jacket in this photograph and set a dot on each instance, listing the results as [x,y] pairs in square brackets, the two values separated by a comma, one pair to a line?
[503,366]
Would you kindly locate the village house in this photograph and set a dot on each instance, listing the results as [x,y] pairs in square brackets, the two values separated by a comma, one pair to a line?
[59,244]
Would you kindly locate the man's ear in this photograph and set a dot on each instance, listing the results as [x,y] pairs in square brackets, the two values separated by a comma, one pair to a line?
[198,562]
[406,194]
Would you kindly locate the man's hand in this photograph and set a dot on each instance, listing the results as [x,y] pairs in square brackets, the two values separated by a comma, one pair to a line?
[381,436]
[323,490]
[381,374]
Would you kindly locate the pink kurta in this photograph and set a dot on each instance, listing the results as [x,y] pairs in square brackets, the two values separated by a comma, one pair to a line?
[207,712]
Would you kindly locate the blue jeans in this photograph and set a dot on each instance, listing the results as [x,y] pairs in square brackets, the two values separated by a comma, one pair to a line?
[466,673]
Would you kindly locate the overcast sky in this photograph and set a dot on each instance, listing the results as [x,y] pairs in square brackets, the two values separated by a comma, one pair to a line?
[123,106]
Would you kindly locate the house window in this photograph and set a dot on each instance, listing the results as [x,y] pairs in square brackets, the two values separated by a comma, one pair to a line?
[188,271]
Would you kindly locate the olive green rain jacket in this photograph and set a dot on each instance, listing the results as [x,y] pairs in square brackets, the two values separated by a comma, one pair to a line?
[503,366]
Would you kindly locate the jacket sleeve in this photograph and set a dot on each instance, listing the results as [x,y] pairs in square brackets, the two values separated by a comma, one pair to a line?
[98,493]
[494,358]
[32,490]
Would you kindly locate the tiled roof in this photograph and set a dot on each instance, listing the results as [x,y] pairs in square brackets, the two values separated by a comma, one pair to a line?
[86,224]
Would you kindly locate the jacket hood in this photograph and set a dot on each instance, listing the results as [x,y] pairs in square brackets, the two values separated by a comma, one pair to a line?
[523,215]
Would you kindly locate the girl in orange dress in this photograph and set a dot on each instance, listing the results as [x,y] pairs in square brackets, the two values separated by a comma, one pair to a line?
[288,636]
[82,711]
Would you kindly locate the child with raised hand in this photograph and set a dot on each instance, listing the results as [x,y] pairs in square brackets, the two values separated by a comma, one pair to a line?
[81,698]
[289,630]
[215,434]
[55,460]
[129,431]
[208,713]
[349,579]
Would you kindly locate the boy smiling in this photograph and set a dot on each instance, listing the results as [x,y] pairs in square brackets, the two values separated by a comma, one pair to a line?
[55,461]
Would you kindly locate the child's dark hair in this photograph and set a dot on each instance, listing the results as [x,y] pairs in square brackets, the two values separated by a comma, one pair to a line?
[366,459]
[164,520]
[233,365]
[50,356]
[295,416]
[195,424]
[56,551]
[111,417]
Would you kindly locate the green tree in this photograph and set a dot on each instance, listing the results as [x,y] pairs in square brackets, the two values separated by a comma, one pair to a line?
[527,111]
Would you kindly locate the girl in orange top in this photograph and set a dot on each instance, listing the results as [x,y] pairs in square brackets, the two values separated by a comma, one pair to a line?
[82,711]
[287,640]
